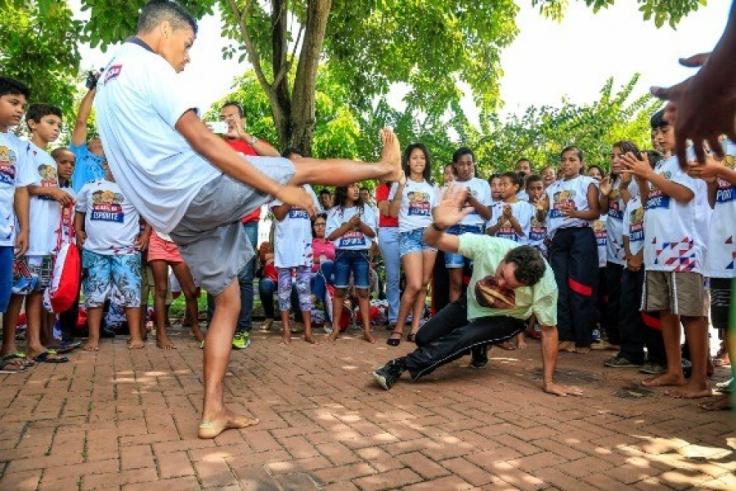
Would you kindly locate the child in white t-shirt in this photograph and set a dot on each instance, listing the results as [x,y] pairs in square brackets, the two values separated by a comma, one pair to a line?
[673,260]
[721,253]
[33,270]
[15,175]
[108,231]
[511,218]
[538,236]
[351,226]
[293,261]
[573,251]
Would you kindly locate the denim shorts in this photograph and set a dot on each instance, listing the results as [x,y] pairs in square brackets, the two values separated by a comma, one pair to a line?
[7,253]
[457,261]
[356,262]
[413,241]
[116,277]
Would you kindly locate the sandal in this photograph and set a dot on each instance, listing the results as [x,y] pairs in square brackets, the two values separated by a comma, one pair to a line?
[393,340]
[50,356]
[411,337]
[19,355]
[11,365]
[66,347]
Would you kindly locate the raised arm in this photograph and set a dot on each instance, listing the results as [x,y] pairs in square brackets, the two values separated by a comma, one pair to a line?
[448,212]
[79,133]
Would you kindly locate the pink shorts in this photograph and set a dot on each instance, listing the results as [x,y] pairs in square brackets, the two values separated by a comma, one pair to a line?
[163,250]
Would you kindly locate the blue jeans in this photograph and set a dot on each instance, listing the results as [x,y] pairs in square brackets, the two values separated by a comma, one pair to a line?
[245,280]
[356,262]
[325,276]
[388,242]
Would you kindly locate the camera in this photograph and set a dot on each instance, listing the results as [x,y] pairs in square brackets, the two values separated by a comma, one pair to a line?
[92,78]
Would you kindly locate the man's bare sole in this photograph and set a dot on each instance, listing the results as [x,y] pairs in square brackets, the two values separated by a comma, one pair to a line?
[211,429]
[391,153]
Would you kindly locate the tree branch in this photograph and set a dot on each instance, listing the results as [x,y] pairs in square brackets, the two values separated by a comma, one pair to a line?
[253,56]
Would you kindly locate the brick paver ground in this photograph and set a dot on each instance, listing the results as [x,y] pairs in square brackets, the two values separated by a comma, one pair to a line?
[127,420]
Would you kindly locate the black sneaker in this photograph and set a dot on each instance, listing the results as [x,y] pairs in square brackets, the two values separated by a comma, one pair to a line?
[479,357]
[387,375]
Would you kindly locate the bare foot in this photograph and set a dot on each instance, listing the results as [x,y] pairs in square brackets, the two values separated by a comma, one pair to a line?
[91,346]
[136,344]
[721,403]
[310,339]
[198,335]
[507,345]
[334,336]
[691,390]
[664,380]
[163,342]
[522,345]
[227,421]
[286,338]
[391,153]
[369,337]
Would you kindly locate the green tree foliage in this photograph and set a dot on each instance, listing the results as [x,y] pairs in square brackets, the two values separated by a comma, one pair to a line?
[661,11]
[38,45]
[541,132]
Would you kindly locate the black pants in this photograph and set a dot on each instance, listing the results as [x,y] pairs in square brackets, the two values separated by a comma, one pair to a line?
[449,335]
[612,312]
[638,329]
[573,255]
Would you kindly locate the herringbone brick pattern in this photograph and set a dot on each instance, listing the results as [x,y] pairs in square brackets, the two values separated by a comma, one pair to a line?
[127,420]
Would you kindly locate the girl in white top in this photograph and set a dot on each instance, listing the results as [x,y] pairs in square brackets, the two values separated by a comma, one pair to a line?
[352,227]
[412,200]
[511,218]
[573,251]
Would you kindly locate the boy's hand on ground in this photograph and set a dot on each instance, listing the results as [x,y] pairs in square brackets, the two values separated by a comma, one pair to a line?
[295,196]
[21,244]
[561,390]
[451,210]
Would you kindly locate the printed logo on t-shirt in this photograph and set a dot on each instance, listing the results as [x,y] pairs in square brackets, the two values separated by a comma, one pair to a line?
[298,213]
[7,165]
[562,199]
[636,225]
[354,238]
[599,229]
[107,207]
[507,232]
[113,72]
[614,205]
[538,230]
[419,204]
[49,179]
[679,255]
[726,191]
[657,199]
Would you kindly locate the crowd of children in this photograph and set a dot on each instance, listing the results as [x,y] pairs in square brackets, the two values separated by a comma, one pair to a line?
[635,249]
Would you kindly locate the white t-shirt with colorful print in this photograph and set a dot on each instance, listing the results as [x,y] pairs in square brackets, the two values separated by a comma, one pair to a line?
[354,240]
[720,255]
[45,213]
[15,172]
[672,241]
[111,222]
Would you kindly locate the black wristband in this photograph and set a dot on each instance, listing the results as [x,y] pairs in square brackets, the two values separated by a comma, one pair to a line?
[437,228]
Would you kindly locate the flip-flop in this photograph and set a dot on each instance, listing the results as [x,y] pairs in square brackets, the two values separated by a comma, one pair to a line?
[50,356]
[19,355]
[11,365]
[67,347]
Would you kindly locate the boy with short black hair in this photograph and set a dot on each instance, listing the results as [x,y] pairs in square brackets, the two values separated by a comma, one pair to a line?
[109,234]
[32,271]
[673,261]
[14,177]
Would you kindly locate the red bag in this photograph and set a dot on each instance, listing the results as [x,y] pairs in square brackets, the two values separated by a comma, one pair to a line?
[65,277]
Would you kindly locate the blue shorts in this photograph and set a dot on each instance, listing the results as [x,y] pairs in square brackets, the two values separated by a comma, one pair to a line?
[355,262]
[32,274]
[413,241]
[6,275]
[111,277]
[457,261]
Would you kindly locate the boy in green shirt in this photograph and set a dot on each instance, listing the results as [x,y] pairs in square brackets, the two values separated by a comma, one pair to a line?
[509,284]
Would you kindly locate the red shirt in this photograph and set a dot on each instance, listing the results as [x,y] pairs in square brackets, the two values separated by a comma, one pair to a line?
[382,192]
[245,148]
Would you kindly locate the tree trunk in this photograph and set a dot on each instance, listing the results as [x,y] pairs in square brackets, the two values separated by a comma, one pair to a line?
[302,113]
[280,88]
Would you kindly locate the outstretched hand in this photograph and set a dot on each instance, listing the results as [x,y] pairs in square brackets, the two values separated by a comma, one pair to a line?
[451,210]
[295,196]
[638,166]
[703,107]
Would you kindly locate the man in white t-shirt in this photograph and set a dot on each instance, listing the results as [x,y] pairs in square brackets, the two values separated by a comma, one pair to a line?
[188,182]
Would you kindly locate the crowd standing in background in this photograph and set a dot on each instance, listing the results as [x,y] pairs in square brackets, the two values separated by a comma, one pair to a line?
[581,257]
